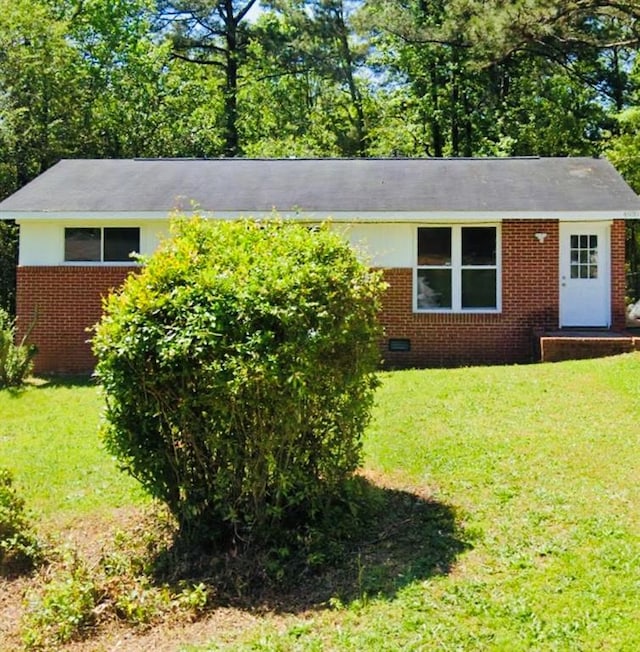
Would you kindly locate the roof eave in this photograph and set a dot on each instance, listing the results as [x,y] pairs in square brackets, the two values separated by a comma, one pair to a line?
[321,216]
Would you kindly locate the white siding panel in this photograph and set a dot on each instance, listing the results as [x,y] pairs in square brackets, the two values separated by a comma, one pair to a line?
[383,245]
[41,243]
[150,235]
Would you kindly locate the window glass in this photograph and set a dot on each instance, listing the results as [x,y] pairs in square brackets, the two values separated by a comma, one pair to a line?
[478,246]
[82,244]
[457,268]
[479,288]
[434,288]
[434,246]
[120,242]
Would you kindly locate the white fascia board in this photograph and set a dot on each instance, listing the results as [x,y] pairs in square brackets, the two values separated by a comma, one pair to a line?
[102,217]
[488,217]
[335,216]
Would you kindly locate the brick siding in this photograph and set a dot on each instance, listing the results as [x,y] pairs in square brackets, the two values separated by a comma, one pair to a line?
[66,300]
[530,303]
[618,276]
[556,349]
[59,304]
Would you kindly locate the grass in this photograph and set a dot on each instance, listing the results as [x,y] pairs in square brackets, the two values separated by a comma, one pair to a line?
[515,526]
[49,440]
[541,464]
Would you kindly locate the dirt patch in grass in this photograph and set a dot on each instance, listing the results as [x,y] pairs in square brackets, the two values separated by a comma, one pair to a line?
[406,536]
[223,625]
[12,591]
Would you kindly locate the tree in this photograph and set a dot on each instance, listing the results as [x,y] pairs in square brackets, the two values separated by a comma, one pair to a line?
[41,91]
[624,152]
[320,42]
[239,369]
[141,102]
[123,72]
[214,34]
[505,78]
[303,92]
[494,30]
[20,548]
[8,262]
[16,360]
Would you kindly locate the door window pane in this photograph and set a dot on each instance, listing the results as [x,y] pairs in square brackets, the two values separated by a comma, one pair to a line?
[82,244]
[434,246]
[120,242]
[479,288]
[583,256]
[434,288]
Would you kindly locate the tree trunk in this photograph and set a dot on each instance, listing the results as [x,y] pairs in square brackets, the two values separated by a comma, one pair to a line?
[231,138]
[354,91]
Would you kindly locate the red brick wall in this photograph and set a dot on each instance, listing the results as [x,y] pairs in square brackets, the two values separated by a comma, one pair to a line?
[618,277]
[61,303]
[530,303]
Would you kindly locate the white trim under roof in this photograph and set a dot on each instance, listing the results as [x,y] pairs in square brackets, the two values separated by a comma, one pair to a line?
[392,217]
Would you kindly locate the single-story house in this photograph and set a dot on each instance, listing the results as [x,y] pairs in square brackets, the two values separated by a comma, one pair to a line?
[481,255]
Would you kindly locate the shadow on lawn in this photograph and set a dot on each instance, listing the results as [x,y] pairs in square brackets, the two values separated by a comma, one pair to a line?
[407,538]
[46,382]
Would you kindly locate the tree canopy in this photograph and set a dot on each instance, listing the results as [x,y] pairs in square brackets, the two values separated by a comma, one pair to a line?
[314,77]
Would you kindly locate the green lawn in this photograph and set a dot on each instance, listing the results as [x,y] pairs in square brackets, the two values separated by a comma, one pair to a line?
[538,465]
[542,466]
[49,440]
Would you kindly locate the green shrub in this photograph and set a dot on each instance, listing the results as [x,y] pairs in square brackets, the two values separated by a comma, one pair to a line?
[239,371]
[19,546]
[16,360]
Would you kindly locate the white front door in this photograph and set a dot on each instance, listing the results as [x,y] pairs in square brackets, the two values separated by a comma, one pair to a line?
[585,293]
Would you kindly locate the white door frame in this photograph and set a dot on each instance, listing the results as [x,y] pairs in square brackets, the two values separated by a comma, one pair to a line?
[585,274]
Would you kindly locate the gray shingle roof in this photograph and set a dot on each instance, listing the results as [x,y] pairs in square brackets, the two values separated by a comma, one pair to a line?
[326,185]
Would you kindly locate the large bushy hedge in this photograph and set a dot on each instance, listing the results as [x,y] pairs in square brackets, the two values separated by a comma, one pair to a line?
[239,371]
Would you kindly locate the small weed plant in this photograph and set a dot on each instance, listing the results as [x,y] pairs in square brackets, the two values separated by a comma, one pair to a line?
[63,609]
[16,360]
[72,598]
[19,546]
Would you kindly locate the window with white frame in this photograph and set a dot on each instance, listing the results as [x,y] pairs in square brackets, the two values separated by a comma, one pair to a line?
[100,244]
[457,269]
